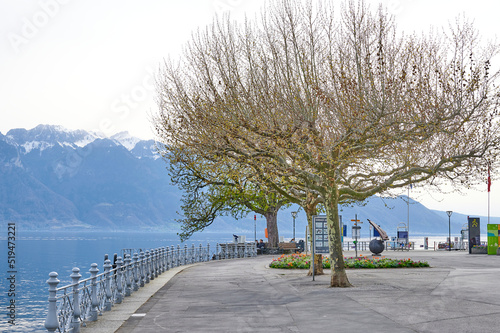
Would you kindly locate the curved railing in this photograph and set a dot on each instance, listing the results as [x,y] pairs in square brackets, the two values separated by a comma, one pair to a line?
[71,306]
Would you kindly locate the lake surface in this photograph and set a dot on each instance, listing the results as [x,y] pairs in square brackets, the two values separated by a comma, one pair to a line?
[41,252]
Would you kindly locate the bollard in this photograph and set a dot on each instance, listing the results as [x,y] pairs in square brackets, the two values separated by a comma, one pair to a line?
[119,286]
[128,279]
[135,271]
[94,303]
[52,323]
[75,321]
[107,273]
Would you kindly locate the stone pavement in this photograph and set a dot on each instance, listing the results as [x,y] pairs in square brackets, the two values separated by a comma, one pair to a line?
[459,293]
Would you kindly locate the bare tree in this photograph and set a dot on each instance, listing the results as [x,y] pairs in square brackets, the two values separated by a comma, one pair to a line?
[341,109]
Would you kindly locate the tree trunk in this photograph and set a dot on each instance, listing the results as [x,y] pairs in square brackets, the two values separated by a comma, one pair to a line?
[311,210]
[339,276]
[318,265]
[272,228]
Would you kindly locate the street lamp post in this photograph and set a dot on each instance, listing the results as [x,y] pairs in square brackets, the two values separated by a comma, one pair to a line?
[449,212]
[255,227]
[294,214]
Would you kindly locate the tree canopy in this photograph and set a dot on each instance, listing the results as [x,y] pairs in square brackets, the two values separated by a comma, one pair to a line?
[337,108]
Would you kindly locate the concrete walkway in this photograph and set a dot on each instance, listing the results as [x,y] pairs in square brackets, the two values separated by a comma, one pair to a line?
[459,293]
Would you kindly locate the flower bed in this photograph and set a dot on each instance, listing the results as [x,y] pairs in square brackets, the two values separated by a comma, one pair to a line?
[302,261]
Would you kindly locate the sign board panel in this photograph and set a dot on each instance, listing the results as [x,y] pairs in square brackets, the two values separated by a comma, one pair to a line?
[474,232]
[403,234]
[356,232]
[320,234]
[492,238]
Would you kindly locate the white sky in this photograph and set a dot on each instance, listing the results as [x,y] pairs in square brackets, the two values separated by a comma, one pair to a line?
[90,64]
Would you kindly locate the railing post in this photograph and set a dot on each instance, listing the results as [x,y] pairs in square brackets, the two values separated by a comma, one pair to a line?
[135,270]
[154,272]
[201,257]
[128,280]
[51,322]
[119,289]
[208,252]
[217,251]
[146,267]
[143,276]
[152,265]
[157,262]
[185,254]
[107,267]
[192,256]
[162,260]
[75,321]
[167,258]
[178,256]
[94,303]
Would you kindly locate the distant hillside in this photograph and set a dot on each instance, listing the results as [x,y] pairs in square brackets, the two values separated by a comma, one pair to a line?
[51,177]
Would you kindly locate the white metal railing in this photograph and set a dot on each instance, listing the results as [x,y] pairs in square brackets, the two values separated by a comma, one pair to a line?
[71,306]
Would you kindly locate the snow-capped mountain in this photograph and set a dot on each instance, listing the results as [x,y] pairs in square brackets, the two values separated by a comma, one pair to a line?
[53,177]
[46,136]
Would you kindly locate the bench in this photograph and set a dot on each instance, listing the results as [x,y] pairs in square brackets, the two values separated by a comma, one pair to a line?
[288,247]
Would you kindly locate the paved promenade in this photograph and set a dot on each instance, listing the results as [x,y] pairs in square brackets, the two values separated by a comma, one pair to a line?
[459,293]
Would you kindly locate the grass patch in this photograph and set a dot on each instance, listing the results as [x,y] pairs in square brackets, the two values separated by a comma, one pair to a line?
[302,261]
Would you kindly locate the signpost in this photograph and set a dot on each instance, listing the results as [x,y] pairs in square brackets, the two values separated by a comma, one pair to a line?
[356,232]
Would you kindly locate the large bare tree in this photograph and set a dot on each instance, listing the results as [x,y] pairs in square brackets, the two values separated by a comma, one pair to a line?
[334,108]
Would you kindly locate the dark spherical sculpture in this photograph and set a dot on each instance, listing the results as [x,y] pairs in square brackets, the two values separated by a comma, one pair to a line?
[376,246]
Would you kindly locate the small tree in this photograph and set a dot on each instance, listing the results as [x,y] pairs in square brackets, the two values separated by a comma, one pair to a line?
[212,189]
[341,109]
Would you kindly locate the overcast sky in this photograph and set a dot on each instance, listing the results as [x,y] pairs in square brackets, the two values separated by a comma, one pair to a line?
[90,64]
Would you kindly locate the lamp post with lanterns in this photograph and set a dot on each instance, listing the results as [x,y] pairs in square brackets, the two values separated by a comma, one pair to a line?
[449,212]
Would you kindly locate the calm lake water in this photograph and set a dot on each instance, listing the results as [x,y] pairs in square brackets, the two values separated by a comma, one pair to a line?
[39,253]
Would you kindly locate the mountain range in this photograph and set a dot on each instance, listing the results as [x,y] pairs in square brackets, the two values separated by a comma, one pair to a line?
[54,178]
